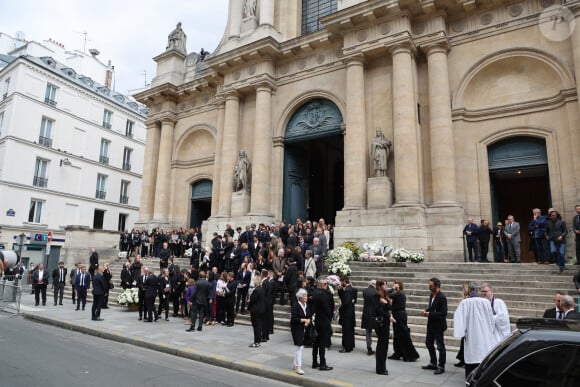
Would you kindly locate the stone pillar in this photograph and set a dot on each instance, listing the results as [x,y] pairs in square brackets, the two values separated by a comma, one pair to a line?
[405,144]
[575,39]
[149,172]
[229,153]
[163,182]
[215,187]
[441,128]
[262,151]
[355,142]
[267,12]
[235,17]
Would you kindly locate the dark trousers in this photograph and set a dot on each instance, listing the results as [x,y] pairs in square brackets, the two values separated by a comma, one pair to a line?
[265,330]
[195,312]
[382,349]
[220,315]
[577,249]
[175,298]
[163,304]
[460,354]
[257,319]
[58,292]
[97,304]
[73,295]
[484,249]
[150,311]
[320,343]
[142,307]
[81,297]
[242,294]
[230,313]
[40,289]
[269,328]
[472,251]
[430,340]
[469,368]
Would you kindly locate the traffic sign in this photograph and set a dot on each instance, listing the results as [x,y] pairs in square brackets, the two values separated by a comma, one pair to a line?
[49,237]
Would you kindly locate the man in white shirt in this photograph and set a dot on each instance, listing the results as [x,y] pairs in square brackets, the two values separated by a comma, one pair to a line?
[501,315]
[474,321]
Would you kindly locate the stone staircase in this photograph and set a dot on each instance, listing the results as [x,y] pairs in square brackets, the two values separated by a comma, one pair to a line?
[526,288]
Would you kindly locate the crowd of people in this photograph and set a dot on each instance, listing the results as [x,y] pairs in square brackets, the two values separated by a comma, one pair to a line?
[547,238]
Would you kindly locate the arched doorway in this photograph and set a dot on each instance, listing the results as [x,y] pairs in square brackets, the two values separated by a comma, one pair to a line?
[520,181]
[313,162]
[200,202]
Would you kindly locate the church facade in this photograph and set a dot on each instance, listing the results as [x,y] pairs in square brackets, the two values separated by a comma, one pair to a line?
[392,119]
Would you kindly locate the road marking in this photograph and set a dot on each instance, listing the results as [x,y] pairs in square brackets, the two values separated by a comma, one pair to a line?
[219,357]
[253,364]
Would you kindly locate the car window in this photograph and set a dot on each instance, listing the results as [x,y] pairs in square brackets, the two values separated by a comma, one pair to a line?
[554,366]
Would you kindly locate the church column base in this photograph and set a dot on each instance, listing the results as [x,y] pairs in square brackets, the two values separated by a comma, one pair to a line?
[444,203]
[379,192]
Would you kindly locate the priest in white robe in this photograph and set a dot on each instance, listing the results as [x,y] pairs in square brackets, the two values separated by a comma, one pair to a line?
[474,321]
[501,316]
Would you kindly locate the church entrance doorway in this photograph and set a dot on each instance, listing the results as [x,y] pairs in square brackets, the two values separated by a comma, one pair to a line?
[313,163]
[200,202]
[520,182]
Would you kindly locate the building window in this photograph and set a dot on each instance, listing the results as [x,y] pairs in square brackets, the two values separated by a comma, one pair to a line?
[40,169]
[1,122]
[98,219]
[35,212]
[121,226]
[104,153]
[107,119]
[312,11]
[129,128]
[45,136]
[50,95]
[127,159]
[101,191]
[124,199]
[6,88]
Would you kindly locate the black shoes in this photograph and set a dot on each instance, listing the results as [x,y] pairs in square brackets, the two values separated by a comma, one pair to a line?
[411,360]
[166,318]
[315,365]
[385,372]
[394,357]
[370,351]
[199,328]
[325,368]
[98,319]
[429,367]
[439,371]
[460,364]
[190,330]
[344,351]
[77,308]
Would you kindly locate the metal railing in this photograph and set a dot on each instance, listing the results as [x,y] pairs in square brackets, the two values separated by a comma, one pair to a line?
[100,194]
[10,294]
[40,182]
[45,141]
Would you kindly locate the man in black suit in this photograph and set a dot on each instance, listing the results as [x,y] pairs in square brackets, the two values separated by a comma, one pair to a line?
[93,261]
[291,280]
[243,279]
[436,315]
[140,283]
[58,281]
[198,302]
[82,283]
[348,297]
[73,276]
[126,276]
[555,312]
[150,288]
[371,302]
[40,282]
[271,286]
[569,313]
[100,288]
[323,309]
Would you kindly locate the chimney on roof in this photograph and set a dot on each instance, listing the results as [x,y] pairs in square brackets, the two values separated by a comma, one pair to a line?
[94,52]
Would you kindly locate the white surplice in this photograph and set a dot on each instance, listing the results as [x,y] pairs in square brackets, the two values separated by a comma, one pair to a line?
[474,320]
[501,319]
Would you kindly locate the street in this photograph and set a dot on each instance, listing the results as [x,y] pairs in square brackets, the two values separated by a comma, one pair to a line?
[41,355]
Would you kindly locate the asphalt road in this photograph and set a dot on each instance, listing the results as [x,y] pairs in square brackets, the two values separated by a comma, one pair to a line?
[33,355]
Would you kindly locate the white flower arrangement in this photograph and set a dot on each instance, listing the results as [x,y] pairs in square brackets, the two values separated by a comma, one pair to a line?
[188,252]
[337,261]
[377,248]
[339,268]
[333,282]
[417,257]
[401,255]
[128,296]
[365,257]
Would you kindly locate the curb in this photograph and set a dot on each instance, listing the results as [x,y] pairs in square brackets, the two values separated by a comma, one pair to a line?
[245,366]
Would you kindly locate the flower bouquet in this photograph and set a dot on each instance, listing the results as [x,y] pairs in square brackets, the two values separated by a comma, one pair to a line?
[337,261]
[188,252]
[417,257]
[365,257]
[401,255]
[129,296]
[333,282]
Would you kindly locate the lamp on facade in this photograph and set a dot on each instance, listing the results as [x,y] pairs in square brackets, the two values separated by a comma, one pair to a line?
[65,162]
[22,236]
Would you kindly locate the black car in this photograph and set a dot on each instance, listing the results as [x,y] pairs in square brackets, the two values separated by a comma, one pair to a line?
[541,352]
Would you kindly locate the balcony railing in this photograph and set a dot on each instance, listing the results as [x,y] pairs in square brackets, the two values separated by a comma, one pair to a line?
[40,182]
[104,160]
[127,166]
[124,199]
[45,141]
[100,194]
[129,134]
[106,125]
[50,101]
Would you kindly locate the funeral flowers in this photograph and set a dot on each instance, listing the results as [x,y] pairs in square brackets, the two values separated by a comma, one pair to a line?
[129,296]
[338,261]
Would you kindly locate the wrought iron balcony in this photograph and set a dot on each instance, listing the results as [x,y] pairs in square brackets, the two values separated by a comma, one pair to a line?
[40,182]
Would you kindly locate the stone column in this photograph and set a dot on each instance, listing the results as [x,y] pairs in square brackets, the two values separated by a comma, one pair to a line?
[441,128]
[163,181]
[215,188]
[229,153]
[575,39]
[267,12]
[262,151]
[149,172]
[405,144]
[355,142]
[235,17]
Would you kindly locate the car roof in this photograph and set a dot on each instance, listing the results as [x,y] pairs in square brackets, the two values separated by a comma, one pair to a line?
[548,324]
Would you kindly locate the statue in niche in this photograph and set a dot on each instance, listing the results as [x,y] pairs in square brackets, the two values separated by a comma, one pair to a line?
[176,39]
[242,172]
[380,151]
[249,8]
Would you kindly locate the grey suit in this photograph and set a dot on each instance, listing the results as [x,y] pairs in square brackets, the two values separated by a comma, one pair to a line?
[514,242]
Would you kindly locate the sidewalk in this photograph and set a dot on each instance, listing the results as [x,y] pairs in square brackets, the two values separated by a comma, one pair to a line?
[228,347]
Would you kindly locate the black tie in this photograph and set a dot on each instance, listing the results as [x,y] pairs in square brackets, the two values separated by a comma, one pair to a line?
[82,280]
[559,316]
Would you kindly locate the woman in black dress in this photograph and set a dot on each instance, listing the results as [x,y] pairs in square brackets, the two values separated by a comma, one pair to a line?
[382,309]
[402,342]
[300,319]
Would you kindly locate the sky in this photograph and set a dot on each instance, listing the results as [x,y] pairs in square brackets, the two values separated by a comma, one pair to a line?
[129,33]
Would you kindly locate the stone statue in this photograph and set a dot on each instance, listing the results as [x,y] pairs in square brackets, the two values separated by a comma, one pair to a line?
[380,150]
[176,39]
[249,8]
[242,172]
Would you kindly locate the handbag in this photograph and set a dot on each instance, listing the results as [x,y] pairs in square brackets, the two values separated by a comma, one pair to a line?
[311,331]
[111,285]
[378,322]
